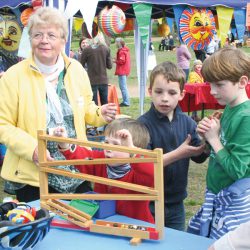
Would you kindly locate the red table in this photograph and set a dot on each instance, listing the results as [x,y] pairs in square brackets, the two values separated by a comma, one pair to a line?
[198,97]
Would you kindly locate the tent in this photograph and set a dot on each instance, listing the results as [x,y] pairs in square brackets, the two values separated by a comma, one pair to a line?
[157,7]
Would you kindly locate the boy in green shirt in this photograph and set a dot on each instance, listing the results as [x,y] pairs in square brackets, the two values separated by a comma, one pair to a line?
[227,200]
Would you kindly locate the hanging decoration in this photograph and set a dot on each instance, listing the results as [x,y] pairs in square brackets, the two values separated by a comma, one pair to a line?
[10,33]
[25,15]
[197,27]
[143,18]
[77,23]
[163,28]
[111,20]
[85,32]
[36,4]
[224,20]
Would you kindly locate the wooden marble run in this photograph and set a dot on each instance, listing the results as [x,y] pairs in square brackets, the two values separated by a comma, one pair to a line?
[51,201]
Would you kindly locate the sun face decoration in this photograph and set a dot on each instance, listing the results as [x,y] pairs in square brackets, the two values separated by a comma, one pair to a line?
[197,27]
[10,34]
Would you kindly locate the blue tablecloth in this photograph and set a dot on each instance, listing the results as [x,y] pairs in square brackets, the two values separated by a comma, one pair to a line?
[66,239]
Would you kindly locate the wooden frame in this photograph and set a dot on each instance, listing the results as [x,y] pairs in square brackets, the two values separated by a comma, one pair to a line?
[51,200]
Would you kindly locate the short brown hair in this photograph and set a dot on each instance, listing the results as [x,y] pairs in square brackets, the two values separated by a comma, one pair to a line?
[170,71]
[228,63]
[138,130]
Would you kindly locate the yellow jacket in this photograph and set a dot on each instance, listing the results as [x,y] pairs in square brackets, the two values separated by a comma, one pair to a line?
[195,78]
[23,112]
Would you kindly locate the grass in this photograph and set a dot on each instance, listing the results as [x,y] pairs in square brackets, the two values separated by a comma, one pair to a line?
[197,172]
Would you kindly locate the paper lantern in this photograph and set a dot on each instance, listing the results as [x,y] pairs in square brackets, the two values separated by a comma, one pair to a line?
[85,32]
[111,21]
[197,27]
[163,29]
[26,15]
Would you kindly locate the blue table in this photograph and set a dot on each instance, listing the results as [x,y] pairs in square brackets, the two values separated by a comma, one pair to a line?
[65,239]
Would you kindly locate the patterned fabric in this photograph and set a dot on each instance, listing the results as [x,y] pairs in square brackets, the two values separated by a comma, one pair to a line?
[118,171]
[223,212]
[62,183]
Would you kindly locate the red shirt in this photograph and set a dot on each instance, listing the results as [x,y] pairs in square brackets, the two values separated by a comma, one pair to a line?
[140,173]
[122,62]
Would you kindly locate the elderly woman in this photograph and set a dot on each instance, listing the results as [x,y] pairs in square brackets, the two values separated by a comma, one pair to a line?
[195,76]
[41,92]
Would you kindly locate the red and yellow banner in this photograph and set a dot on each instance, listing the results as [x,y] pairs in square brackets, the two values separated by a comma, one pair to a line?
[248,15]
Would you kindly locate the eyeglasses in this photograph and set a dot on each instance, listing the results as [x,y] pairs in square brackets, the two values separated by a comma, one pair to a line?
[40,36]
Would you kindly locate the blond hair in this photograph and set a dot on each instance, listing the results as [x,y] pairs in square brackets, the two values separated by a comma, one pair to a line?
[170,71]
[138,131]
[50,17]
[228,63]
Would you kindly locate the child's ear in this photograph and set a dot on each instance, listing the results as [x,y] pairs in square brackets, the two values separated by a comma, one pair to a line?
[182,95]
[243,82]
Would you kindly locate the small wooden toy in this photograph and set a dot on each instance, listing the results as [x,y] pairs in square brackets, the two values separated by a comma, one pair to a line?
[51,200]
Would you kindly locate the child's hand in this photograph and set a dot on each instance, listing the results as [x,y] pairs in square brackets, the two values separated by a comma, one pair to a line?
[186,150]
[213,132]
[61,132]
[203,126]
[125,137]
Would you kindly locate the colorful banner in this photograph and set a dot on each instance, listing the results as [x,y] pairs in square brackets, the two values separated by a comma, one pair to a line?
[248,15]
[178,9]
[197,27]
[170,22]
[143,18]
[240,17]
[224,20]
[77,23]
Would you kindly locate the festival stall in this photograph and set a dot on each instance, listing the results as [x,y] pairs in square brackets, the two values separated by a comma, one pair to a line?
[138,15]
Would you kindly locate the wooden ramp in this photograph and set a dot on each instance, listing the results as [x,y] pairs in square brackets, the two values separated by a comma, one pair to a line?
[52,201]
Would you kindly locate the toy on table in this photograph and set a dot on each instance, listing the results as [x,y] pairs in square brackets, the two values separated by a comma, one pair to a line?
[27,232]
[51,201]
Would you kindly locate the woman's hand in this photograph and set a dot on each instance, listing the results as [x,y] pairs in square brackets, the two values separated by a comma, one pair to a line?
[108,111]
[35,156]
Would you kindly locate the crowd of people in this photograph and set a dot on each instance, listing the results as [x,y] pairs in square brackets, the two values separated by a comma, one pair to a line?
[54,92]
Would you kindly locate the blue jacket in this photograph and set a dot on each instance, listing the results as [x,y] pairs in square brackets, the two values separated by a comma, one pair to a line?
[169,136]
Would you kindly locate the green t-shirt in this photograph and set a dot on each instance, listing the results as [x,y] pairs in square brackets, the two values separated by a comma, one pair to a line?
[233,161]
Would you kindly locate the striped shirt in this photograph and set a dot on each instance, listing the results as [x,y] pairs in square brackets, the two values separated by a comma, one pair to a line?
[222,212]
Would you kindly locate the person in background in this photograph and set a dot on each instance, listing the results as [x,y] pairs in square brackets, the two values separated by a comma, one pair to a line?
[44,91]
[183,57]
[169,128]
[97,56]
[196,77]
[171,43]
[123,65]
[227,198]
[211,48]
[163,44]
[237,239]
[83,43]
